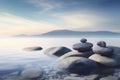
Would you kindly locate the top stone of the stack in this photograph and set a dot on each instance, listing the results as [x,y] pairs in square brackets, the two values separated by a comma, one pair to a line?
[83,40]
[101,43]
[83,46]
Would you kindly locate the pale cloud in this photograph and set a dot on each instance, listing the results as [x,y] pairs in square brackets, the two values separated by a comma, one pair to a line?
[83,19]
[45,5]
[11,24]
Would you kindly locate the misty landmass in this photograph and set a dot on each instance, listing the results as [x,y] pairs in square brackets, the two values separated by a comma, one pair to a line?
[70,33]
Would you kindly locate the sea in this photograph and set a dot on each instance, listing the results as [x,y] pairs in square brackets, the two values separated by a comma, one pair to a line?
[14,59]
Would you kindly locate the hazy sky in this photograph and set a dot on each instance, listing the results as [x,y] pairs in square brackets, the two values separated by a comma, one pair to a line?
[39,16]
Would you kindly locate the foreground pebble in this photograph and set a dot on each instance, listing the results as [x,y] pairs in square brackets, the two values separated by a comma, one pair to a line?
[56,51]
[33,48]
[77,54]
[109,78]
[31,73]
[110,62]
[102,49]
[79,65]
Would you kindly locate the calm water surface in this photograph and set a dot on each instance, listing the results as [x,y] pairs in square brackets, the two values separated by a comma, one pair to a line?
[13,57]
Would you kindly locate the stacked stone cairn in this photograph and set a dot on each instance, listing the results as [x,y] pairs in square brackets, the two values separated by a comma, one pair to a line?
[77,61]
[105,55]
[85,59]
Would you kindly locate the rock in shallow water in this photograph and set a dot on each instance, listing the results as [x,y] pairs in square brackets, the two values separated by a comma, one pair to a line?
[110,62]
[78,65]
[81,47]
[31,73]
[33,48]
[73,78]
[77,54]
[101,43]
[104,51]
[89,77]
[56,51]
[109,78]
[116,54]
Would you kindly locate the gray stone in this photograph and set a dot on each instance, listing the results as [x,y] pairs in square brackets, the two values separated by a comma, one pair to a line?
[31,73]
[83,40]
[56,51]
[32,48]
[109,78]
[74,75]
[107,71]
[116,54]
[107,61]
[77,54]
[101,43]
[81,47]
[91,77]
[73,78]
[105,51]
[79,65]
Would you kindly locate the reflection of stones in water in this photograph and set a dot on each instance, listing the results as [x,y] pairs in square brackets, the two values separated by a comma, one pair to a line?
[51,72]
[117,73]
[37,71]
[31,73]
[16,71]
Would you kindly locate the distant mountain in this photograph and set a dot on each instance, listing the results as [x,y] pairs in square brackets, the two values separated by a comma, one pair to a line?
[69,33]
[21,35]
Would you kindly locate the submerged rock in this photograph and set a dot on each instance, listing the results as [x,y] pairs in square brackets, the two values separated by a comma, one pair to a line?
[56,51]
[33,48]
[31,73]
[79,65]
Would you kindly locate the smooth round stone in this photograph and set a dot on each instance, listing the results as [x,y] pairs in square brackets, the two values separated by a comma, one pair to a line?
[56,51]
[83,40]
[109,78]
[81,47]
[110,62]
[101,43]
[33,48]
[105,51]
[78,65]
[88,77]
[77,54]
[31,73]
[73,78]
[116,54]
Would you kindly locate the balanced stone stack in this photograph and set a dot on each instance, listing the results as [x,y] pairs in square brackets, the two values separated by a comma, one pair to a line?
[104,55]
[84,59]
[84,48]
[77,61]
